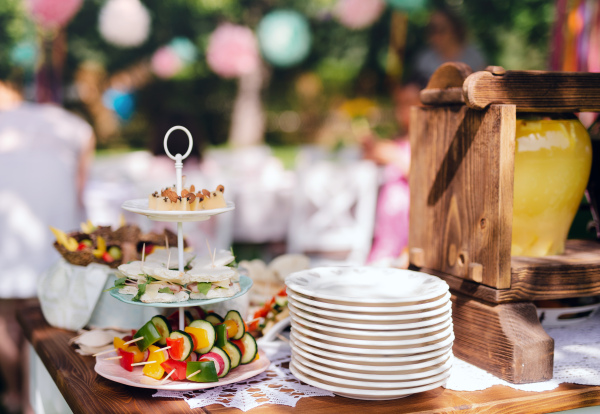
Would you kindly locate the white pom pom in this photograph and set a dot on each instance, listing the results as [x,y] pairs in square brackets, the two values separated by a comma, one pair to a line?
[124,23]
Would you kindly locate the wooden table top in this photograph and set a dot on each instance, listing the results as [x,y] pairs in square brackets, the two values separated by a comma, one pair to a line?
[87,392]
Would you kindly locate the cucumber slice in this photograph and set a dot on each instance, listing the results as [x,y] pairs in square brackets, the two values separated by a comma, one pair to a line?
[235,316]
[213,318]
[210,331]
[163,327]
[226,359]
[234,354]
[280,302]
[250,349]
[188,343]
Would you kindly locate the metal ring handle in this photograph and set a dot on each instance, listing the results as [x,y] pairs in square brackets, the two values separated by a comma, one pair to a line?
[189,135]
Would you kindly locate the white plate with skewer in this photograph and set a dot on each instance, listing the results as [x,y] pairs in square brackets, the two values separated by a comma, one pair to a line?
[112,370]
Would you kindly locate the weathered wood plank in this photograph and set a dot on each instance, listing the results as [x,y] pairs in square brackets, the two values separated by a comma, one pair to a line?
[461,190]
[534,91]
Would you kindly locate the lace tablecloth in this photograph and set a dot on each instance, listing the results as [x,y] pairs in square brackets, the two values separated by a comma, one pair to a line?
[576,360]
[274,386]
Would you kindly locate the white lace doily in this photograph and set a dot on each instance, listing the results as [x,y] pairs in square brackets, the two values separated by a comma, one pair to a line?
[576,360]
[274,386]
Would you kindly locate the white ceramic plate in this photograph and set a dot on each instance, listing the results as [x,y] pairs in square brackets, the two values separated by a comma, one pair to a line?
[373,285]
[355,350]
[360,334]
[373,345]
[245,285]
[140,206]
[369,309]
[372,326]
[379,343]
[412,375]
[370,384]
[376,360]
[362,393]
[377,318]
[113,371]
[387,369]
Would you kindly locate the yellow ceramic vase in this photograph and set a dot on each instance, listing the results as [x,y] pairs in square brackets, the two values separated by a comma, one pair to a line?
[553,158]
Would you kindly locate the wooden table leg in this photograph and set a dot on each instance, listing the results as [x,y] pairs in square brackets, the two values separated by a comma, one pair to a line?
[506,340]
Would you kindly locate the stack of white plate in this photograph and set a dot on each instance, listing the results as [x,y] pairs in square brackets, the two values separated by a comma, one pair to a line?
[370,333]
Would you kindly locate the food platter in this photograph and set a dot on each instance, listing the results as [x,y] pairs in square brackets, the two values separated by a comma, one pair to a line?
[245,285]
[140,206]
[113,371]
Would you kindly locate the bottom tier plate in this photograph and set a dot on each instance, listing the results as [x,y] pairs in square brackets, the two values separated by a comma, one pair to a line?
[245,285]
[113,371]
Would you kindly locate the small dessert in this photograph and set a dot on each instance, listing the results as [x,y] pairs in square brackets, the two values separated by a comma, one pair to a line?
[189,200]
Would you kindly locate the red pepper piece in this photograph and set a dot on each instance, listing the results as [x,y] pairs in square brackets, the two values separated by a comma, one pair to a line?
[126,359]
[179,367]
[282,292]
[176,351]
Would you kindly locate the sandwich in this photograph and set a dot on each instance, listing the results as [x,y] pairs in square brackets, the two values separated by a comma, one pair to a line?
[213,282]
[170,257]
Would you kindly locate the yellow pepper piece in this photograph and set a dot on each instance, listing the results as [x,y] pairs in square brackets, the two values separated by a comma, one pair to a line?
[101,248]
[256,358]
[155,370]
[200,335]
[232,328]
[138,356]
[118,343]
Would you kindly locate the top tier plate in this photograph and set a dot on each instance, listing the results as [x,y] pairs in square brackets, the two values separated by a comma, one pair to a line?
[140,206]
[367,285]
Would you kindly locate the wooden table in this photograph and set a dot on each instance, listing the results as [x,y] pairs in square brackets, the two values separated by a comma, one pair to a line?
[87,392]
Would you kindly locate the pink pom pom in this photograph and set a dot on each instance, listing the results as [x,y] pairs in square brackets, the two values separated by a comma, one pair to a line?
[232,51]
[165,63]
[358,14]
[53,13]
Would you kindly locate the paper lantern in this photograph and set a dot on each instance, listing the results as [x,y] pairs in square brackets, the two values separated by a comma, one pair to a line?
[53,13]
[24,55]
[358,14]
[166,63]
[408,5]
[124,23]
[284,37]
[184,48]
[123,103]
[232,51]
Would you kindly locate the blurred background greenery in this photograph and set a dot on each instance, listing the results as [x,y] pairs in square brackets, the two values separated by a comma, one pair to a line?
[342,63]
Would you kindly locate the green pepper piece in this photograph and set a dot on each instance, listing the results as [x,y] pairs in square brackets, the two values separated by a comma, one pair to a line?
[208,371]
[221,331]
[150,334]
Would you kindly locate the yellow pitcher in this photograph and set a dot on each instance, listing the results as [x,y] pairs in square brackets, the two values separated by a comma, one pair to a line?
[553,158]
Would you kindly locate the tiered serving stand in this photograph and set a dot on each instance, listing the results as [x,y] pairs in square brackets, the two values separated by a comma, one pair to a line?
[140,206]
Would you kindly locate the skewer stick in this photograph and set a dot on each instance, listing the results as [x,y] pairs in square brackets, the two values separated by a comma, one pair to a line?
[169,259]
[108,359]
[214,256]
[193,373]
[283,338]
[143,363]
[210,253]
[105,352]
[167,377]
[139,338]
[143,252]
[162,349]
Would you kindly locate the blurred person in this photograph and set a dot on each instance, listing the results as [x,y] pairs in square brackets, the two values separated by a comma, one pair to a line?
[45,155]
[391,216]
[447,39]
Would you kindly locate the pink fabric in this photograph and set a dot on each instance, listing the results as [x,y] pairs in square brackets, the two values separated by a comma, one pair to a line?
[391,220]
